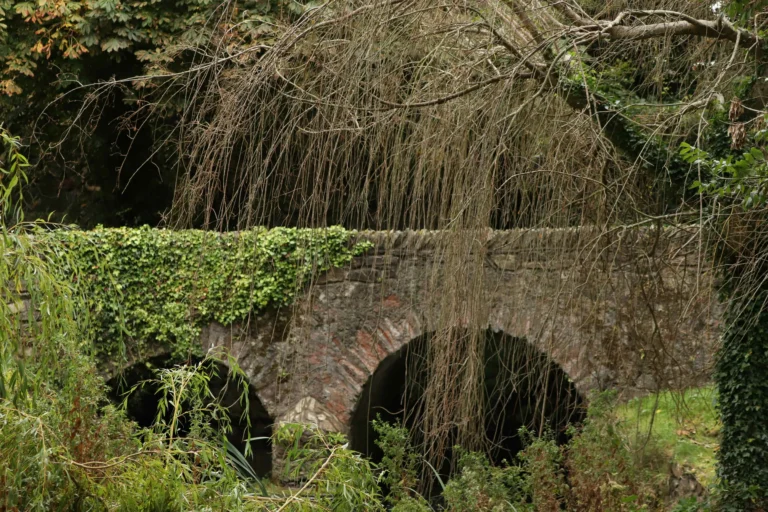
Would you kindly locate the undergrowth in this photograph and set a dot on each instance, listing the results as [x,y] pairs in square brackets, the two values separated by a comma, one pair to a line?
[605,466]
[685,427]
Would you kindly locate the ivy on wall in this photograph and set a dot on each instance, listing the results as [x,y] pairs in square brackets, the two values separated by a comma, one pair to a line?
[743,388]
[164,286]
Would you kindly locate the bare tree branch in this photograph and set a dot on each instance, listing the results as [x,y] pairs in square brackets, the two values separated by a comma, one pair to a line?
[679,25]
[702,28]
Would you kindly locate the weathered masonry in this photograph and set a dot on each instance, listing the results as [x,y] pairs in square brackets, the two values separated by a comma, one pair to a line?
[637,314]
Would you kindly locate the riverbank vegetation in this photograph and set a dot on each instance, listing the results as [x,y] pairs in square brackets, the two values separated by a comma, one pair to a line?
[459,116]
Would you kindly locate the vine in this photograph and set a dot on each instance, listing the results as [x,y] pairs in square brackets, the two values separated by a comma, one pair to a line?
[164,286]
[743,388]
[737,191]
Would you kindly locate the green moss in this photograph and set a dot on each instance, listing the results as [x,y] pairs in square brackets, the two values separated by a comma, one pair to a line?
[164,286]
[685,426]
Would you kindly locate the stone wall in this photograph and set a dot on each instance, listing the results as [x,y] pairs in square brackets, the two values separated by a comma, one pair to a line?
[634,310]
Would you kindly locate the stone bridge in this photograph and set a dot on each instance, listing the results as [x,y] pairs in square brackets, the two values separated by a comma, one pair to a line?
[633,311]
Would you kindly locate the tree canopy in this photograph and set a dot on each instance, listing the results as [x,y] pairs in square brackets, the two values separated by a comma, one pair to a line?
[55,54]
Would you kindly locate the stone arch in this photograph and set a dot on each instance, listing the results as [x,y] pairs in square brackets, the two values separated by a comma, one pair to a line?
[539,394]
[142,405]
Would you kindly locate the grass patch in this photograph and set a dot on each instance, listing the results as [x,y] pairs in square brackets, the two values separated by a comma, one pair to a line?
[684,425]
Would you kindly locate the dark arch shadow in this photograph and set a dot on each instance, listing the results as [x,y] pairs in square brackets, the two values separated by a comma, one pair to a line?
[143,403]
[522,387]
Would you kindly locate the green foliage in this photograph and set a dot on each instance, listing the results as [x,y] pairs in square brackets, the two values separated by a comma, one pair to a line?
[480,486]
[336,478]
[604,473]
[692,505]
[52,418]
[743,400]
[164,286]
[12,175]
[626,112]
[745,12]
[38,311]
[618,110]
[543,463]
[88,71]
[613,81]
[65,31]
[605,466]
[400,463]
[741,180]
[599,469]
[44,447]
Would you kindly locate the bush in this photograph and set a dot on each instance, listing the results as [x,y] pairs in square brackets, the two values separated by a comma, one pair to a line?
[334,477]
[599,469]
[542,461]
[480,486]
[399,465]
[603,473]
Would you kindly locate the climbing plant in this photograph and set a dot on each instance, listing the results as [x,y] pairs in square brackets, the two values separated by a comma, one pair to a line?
[743,389]
[735,195]
[164,286]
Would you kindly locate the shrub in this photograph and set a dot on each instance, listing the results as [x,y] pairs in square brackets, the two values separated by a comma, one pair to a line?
[542,461]
[334,477]
[603,473]
[399,465]
[480,486]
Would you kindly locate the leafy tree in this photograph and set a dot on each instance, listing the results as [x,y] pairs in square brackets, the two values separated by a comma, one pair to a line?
[55,53]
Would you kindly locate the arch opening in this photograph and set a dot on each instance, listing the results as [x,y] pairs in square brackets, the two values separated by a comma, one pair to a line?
[142,406]
[522,387]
